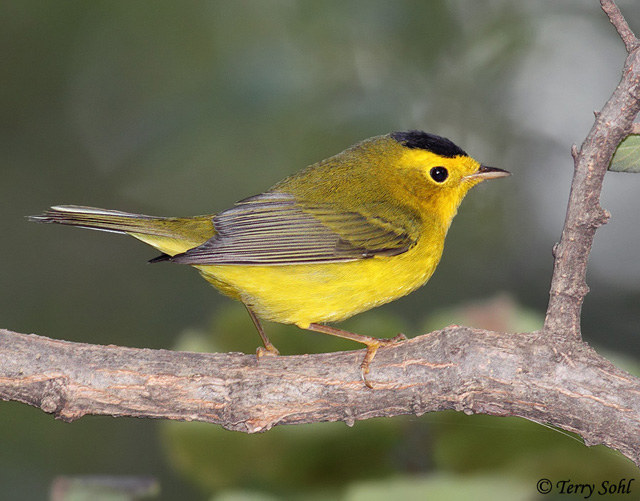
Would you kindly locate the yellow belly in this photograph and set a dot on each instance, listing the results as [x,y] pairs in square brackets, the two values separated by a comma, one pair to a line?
[313,293]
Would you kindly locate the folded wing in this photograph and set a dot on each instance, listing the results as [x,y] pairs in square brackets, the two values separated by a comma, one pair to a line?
[275,229]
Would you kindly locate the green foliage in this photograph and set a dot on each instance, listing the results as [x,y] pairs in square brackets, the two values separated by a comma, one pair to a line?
[104,488]
[324,456]
[490,487]
[518,447]
[627,155]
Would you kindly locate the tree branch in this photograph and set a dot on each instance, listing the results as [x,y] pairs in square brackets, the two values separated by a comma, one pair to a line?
[538,376]
[620,23]
[584,213]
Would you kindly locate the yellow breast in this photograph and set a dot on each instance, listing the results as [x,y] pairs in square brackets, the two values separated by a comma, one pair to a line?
[304,294]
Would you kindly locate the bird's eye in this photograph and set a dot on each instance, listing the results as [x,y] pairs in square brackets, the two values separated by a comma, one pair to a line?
[439,174]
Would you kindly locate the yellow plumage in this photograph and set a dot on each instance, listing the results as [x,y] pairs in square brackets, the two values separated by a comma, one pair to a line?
[352,232]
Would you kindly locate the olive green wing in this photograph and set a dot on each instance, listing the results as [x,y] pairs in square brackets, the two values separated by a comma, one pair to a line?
[275,229]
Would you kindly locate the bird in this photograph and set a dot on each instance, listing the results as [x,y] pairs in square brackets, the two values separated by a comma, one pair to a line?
[339,237]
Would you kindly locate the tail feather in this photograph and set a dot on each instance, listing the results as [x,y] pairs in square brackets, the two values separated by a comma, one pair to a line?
[101,219]
[168,234]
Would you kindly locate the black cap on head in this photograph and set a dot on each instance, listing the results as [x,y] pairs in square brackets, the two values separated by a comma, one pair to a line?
[438,145]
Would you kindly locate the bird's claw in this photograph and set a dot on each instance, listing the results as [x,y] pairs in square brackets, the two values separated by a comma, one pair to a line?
[266,351]
[372,349]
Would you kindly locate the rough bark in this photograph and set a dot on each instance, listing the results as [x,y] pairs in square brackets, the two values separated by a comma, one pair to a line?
[542,377]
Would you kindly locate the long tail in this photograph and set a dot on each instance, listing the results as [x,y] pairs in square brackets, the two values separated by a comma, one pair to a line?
[170,235]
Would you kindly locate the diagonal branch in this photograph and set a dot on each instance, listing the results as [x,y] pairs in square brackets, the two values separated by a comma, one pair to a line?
[535,375]
[584,213]
[631,42]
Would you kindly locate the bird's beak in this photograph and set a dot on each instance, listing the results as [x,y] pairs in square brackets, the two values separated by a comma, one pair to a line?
[486,172]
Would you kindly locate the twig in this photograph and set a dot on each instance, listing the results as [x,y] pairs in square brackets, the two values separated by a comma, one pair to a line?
[584,213]
[621,25]
[533,375]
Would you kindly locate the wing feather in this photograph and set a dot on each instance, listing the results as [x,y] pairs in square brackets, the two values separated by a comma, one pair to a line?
[275,229]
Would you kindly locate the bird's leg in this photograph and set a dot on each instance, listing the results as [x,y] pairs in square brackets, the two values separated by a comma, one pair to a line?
[268,349]
[372,344]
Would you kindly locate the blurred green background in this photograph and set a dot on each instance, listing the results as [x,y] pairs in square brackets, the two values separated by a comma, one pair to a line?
[182,108]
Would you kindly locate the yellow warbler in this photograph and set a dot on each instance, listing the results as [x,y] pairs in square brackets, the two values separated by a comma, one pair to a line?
[349,233]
